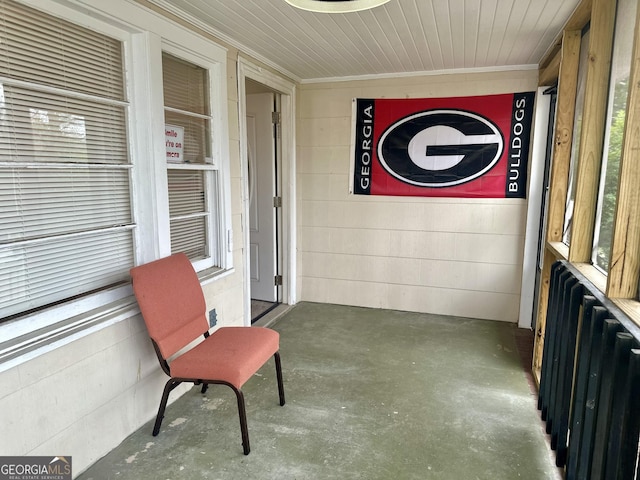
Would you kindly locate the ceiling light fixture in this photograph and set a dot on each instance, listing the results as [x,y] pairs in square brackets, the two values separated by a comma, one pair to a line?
[335,6]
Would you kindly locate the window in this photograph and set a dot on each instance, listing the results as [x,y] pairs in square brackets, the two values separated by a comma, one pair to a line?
[192,178]
[575,145]
[616,115]
[65,209]
[85,187]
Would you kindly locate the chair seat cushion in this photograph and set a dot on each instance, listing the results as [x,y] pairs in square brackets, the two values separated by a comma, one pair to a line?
[230,354]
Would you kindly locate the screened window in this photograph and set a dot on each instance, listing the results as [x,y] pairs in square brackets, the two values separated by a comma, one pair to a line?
[575,145]
[616,115]
[192,178]
[65,208]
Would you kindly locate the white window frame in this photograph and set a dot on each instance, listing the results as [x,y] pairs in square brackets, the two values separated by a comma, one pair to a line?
[144,34]
[216,234]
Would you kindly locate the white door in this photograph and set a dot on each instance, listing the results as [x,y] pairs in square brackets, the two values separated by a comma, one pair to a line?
[262,190]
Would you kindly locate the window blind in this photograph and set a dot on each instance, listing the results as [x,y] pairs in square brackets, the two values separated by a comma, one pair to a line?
[185,87]
[189,235]
[40,48]
[65,207]
[186,192]
[40,127]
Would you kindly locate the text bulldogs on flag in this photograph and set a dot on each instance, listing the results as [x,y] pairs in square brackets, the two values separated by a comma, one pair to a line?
[446,147]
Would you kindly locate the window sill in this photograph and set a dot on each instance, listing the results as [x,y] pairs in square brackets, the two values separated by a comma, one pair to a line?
[29,338]
[630,307]
[559,250]
[213,274]
[25,347]
[594,275]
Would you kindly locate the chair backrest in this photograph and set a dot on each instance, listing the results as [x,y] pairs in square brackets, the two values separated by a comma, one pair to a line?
[171,301]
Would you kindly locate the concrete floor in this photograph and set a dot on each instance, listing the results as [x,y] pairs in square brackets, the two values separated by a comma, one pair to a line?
[371,394]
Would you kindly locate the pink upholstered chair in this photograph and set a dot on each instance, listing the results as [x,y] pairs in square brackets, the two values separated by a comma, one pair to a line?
[173,307]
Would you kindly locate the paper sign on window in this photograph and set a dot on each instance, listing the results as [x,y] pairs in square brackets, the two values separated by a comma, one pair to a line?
[174,143]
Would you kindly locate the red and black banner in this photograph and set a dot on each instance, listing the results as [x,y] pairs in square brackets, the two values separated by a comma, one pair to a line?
[443,147]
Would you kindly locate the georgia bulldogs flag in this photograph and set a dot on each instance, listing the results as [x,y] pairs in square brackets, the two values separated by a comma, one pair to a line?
[442,147]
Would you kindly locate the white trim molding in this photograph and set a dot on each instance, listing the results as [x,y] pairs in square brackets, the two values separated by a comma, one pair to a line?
[534,208]
[425,73]
[247,69]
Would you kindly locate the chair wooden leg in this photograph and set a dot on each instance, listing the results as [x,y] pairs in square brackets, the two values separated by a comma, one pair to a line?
[170,385]
[242,412]
[279,375]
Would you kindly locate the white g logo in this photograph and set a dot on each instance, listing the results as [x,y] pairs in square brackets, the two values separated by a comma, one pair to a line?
[440,148]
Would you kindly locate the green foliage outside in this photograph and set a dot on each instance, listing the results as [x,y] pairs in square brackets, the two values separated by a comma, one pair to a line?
[610,191]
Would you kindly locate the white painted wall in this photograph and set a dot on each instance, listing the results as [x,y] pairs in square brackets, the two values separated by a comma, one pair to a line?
[83,398]
[447,256]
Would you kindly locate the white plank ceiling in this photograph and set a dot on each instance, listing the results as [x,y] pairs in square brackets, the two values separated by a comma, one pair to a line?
[403,36]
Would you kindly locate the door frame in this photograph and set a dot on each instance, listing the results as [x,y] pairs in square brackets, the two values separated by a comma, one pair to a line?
[533,229]
[288,243]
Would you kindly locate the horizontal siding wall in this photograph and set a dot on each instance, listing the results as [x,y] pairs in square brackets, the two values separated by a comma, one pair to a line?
[439,255]
[83,398]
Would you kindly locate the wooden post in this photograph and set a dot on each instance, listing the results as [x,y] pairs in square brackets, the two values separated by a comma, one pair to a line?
[549,74]
[541,322]
[579,18]
[565,110]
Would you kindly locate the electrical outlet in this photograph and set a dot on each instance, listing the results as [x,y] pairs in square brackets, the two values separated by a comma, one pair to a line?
[213,318]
